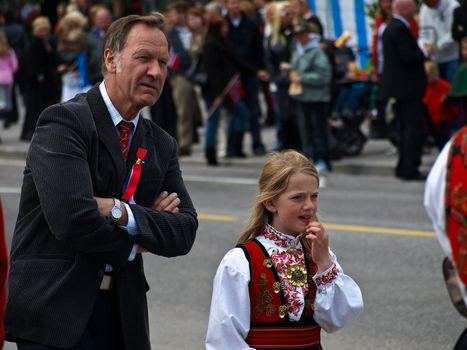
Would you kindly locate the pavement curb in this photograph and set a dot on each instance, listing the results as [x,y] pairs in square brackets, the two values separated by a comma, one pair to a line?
[378,158]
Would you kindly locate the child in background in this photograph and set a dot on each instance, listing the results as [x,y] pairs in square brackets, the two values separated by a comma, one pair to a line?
[311,71]
[441,110]
[8,67]
[458,89]
[282,283]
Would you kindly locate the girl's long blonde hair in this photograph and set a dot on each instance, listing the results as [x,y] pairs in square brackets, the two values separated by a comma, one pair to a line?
[274,18]
[273,181]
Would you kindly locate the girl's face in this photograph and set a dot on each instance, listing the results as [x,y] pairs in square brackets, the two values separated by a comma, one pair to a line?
[195,22]
[43,32]
[297,206]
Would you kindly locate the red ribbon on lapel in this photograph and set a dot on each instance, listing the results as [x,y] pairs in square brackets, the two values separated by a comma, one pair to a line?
[134,176]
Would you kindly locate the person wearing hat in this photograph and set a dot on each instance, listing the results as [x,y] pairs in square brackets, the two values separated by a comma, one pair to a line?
[310,78]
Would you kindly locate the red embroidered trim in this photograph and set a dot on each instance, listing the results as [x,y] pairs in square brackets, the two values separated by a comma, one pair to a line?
[329,277]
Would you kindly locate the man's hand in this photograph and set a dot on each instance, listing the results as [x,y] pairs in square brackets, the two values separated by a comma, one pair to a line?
[105,205]
[167,202]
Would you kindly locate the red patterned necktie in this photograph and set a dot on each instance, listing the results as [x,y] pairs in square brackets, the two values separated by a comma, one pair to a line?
[125,131]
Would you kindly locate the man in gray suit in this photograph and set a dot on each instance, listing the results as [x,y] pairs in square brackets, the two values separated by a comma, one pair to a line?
[90,205]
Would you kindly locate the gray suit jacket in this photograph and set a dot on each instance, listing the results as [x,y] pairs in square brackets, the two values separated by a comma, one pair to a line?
[61,243]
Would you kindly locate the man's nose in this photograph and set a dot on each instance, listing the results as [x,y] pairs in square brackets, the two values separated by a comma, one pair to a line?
[155,69]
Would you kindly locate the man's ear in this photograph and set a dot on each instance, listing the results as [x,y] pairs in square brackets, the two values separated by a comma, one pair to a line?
[110,61]
[269,205]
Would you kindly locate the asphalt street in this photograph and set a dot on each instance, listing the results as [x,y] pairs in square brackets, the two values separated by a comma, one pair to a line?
[378,230]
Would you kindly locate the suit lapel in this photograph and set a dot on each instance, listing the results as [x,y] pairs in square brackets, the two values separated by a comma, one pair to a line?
[107,132]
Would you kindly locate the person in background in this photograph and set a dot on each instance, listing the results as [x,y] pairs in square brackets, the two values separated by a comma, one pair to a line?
[74,67]
[245,40]
[404,79]
[76,278]
[458,91]
[101,18]
[302,11]
[72,55]
[164,112]
[42,75]
[260,19]
[196,21]
[18,41]
[435,36]
[8,68]
[278,52]
[442,111]
[445,204]
[459,23]
[184,94]
[310,72]
[282,283]
[382,19]
[222,64]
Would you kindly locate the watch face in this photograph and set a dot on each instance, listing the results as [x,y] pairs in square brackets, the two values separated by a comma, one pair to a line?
[116,213]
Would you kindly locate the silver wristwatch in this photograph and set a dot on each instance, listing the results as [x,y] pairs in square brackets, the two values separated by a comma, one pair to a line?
[116,212]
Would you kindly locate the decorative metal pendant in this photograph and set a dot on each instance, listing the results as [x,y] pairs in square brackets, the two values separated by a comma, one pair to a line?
[276,287]
[267,263]
[282,311]
[292,251]
[296,274]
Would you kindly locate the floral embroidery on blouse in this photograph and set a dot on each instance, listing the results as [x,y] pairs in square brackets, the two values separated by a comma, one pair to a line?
[329,277]
[283,260]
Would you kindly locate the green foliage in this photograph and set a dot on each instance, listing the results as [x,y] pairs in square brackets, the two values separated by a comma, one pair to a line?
[371,9]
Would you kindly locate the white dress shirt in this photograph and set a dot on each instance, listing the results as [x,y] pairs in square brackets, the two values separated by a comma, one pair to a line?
[131,226]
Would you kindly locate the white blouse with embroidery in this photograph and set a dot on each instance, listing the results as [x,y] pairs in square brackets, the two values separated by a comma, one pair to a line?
[338,298]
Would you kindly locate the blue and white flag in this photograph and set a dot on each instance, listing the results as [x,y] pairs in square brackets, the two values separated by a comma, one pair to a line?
[339,16]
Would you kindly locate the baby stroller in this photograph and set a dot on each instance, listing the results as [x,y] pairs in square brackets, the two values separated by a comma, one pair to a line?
[346,134]
[351,90]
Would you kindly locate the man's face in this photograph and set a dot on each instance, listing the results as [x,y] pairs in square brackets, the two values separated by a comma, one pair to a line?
[135,78]
[233,7]
[103,19]
[408,10]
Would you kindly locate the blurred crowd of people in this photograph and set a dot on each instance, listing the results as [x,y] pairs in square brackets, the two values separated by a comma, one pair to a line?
[227,54]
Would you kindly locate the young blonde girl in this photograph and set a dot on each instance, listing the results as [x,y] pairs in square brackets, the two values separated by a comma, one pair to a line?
[282,283]
[8,67]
